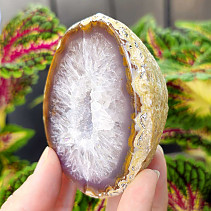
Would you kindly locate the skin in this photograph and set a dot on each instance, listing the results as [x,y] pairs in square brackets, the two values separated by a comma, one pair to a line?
[49,189]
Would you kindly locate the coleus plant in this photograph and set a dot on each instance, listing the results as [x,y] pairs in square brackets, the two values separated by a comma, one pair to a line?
[28,43]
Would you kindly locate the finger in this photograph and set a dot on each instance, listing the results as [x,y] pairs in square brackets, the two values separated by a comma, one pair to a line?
[161,194]
[41,189]
[140,193]
[113,202]
[65,200]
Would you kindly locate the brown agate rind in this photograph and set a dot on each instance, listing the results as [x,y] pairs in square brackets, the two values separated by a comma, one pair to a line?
[146,87]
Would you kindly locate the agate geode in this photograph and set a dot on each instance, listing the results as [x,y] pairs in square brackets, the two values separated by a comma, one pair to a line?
[105,105]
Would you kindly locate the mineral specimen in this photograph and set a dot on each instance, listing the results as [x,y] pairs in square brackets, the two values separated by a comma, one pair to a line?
[105,105]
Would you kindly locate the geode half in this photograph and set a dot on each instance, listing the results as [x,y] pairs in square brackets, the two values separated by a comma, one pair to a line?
[105,105]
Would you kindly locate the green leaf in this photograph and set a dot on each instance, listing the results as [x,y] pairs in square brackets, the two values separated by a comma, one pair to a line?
[10,165]
[23,35]
[204,61]
[142,26]
[187,139]
[189,184]
[101,205]
[201,27]
[36,101]
[84,202]
[28,43]
[13,137]
[15,182]
[184,56]
[78,197]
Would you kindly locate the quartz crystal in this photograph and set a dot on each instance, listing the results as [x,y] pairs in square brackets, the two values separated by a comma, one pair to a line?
[105,105]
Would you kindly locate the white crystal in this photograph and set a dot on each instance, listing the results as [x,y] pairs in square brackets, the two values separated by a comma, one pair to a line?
[90,107]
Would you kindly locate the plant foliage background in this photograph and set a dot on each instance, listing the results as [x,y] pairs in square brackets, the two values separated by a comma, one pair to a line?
[27,45]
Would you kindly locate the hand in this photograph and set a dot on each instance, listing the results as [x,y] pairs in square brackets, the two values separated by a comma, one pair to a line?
[48,189]
[147,192]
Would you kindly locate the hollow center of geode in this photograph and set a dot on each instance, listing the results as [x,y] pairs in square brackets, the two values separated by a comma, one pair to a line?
[90,108]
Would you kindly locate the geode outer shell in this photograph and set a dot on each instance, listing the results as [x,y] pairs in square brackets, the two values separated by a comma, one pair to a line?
[147,93]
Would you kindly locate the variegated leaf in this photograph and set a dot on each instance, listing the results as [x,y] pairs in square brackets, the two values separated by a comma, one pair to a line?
[15,182]
[12,137]
[27,45]
[10,165]
[200,27]
[189,184]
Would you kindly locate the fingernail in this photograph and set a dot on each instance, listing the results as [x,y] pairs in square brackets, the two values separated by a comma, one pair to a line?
[42,159]
[157,172]
[160,149]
